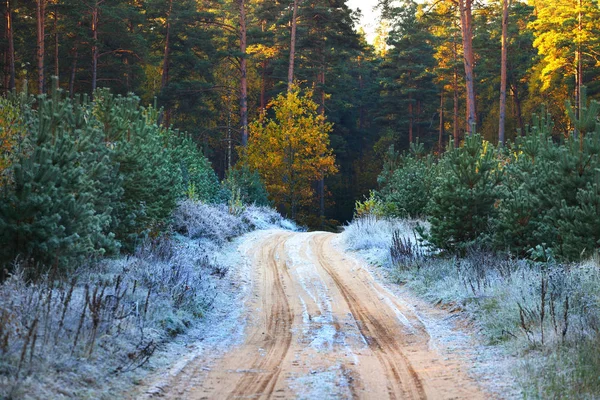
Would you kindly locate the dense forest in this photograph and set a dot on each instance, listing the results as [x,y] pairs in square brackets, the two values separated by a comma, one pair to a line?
[435,69]
[141,140]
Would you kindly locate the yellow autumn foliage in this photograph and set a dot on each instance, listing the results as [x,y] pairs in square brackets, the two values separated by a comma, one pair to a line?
[11,133]
[290,150]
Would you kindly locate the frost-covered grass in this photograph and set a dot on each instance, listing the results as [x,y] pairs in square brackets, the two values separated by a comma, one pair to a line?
[219,224]
[374,236]
[92,334]
[547,313]
[370,232]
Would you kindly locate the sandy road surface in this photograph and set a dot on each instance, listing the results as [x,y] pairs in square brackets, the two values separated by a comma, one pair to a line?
[319,326]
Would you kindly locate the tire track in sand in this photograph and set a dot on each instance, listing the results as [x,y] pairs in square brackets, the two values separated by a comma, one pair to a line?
[304,292]
[278,334]
[403,381]
[252,369]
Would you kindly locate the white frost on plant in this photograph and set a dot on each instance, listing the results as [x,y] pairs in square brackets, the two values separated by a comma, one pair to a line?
[370,232]
[186,285]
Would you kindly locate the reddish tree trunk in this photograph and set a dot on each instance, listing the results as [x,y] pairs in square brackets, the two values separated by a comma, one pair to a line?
[418,119]
[455,90]
[410,119]
[167,50]
[361,115]
[263,77]
[73,72]
[466,18]
[518,108]
[579,72]
[263,85]
[6,66]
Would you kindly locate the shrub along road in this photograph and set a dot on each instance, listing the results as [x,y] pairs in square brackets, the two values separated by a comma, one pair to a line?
[319,326]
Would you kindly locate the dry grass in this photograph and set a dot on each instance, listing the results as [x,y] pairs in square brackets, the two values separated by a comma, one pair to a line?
[80,337]
[546,312]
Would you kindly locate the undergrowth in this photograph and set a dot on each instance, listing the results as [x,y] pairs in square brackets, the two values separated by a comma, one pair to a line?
[79,337]
[545,311]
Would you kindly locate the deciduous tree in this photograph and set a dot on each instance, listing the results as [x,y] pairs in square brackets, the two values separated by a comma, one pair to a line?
[290,149]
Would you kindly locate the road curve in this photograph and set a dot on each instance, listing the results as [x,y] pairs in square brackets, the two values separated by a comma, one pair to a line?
[319,326]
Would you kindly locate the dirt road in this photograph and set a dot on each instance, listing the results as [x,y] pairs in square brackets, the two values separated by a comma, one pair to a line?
[319,326]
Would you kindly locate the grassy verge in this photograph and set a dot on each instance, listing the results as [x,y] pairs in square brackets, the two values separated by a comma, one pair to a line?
[545,312]
[92,335]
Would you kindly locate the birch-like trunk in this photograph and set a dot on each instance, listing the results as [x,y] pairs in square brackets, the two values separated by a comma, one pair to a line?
[292,46]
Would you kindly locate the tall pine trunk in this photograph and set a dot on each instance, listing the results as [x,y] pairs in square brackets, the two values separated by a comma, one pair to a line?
[321,183]
[361,114]
[263,85]
[263,77]
[243,75]
[166,61]
[95,17]
[56,42]
[292,46]
[441,127]
[518,108]
[455,128]
[503,61]
[11,46]
[466,19]
[418,119]
[73,72]
[410,118]
[41,36]
[6,67]
[579,63]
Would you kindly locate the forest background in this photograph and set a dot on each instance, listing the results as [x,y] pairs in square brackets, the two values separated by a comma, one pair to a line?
[432,71]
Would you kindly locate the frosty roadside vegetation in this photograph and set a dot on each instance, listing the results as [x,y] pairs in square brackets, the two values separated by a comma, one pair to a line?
[98,333]
[545,313]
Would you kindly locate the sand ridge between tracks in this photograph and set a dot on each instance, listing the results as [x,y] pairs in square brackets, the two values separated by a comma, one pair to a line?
[319,326]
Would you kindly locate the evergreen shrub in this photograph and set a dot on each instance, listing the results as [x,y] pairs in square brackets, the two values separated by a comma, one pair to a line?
[407,186]
[464,194]
[83,178]
[538,191]
[249,185]
[550,194]
[59,207]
